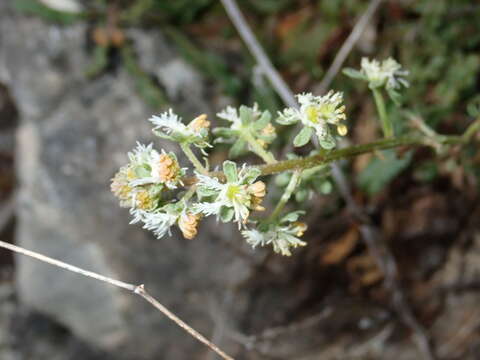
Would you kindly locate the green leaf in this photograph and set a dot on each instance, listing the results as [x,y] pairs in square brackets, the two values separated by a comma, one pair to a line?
[293,216]
[327,142]
[380,171]
[251,174]
[303,137]
[301,195]
[203,192]
[230,171]
[326,187]
[283,179]
[226,214]
[263,121]
[237,149]
[395,96]
[354,74]
[246,114]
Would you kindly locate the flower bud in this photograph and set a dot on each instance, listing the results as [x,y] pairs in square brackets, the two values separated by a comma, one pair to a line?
[167,168]
[258,189]
[199,123]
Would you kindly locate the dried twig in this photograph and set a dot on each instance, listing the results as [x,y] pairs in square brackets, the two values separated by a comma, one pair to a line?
[382,254]
[347,46]
[137,289]
[257,51]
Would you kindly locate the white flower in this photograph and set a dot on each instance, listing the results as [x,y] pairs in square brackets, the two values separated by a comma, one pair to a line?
[233,199]
[282,237]
[159,221]
[168,125]
[316,113]
[142,154]
[255,237]
[231,114]
[389,73]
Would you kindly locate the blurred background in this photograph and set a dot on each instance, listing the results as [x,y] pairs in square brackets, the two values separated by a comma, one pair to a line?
[79,79]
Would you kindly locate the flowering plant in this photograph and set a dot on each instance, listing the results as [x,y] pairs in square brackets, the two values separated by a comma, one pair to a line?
[162,194]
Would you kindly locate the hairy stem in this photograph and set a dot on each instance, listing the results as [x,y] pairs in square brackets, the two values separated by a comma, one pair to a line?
[327,157]
[292,185]
[193,159]
[348,152]
[258,149]
[382,112]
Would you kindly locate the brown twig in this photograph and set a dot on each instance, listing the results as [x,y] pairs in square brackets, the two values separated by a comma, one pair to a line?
[347,46]
[137,289]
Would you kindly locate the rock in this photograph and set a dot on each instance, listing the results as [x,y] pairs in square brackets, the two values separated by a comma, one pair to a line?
[74,135]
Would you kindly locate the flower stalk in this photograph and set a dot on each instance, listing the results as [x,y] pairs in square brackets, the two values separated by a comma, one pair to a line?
[387,125]
[294,180]
[193,159]
[257,148]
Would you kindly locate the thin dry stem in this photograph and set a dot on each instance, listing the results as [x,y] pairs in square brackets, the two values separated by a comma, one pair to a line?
[347,46]
[257,51]
[137,289]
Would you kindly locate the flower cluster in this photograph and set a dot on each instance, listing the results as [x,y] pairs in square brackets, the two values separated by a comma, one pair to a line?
[140,184]
[283,234]
[147,183]
[160,195]
[169,126]
[245,124]
[316,113]
[388,74]
[234,199]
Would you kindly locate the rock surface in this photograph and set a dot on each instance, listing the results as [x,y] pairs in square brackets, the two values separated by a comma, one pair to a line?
[74,135]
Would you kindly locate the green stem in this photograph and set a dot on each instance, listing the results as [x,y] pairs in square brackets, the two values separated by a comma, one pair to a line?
[348,152]
[258,149]
[193,159]
[382,112]
[294,180]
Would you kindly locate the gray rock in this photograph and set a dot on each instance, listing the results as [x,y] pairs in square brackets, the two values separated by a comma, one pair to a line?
[74,135]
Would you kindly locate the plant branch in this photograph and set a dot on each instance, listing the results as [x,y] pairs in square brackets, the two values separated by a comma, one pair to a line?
[348,152]
[294,180]
[258,149]
[382,112]
[193,159]
[137,289]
